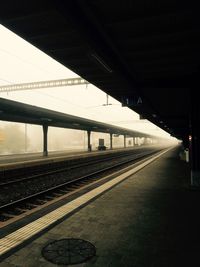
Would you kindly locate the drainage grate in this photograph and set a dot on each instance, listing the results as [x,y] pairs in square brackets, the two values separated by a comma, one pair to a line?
[69,251]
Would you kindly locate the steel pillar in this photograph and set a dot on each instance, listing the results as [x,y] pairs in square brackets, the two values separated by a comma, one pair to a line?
[124,140]
[195,140]
[26,143]
[89,145]
[133,141]
[45,140]
[136,141]
[111,141]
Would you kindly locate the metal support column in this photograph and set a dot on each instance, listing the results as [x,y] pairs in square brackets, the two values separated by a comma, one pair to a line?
[124,140]
[136,141]
[89,145]
[195,140]
[133,141]
[145,141]
[26,141]
[45,140]
[111,141]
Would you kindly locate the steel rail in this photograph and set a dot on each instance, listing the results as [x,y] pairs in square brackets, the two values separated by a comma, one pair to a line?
[74,181]
[59,170]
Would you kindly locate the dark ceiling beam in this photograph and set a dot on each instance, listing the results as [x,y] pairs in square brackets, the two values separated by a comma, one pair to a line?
[170,76]
[21,8]
[163,52]
[176,82]
[59,33]
[160,39]
[179,15]
[100,42]
[166,69]
[28,16]
[178,59]
[94,33]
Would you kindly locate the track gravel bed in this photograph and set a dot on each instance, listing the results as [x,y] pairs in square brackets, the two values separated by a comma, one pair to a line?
[11,193]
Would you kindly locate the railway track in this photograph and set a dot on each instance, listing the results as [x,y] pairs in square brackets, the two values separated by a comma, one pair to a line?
[22,204]
[15,178]
[43,167]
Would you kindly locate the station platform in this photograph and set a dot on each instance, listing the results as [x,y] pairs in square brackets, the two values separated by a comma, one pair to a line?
[149,219]
[30,159]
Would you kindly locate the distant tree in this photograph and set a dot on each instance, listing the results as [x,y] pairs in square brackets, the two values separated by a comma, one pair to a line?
[13,140]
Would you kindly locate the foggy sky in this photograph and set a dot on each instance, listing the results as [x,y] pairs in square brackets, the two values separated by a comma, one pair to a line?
[22,62]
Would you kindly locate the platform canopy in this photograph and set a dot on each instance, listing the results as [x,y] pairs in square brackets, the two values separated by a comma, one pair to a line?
[143,53]
[19,112]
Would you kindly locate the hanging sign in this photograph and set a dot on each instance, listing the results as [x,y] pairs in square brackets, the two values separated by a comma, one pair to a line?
[131,101]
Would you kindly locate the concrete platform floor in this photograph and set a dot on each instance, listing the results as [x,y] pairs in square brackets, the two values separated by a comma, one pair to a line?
[149,220]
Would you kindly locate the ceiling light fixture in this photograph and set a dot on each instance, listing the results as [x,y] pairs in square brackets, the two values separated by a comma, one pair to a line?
[102,63]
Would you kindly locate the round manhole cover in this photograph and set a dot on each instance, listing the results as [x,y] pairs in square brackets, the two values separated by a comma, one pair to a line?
[68,251]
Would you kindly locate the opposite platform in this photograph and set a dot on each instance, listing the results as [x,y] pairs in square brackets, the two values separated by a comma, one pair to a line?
[148,220]
[15,161]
